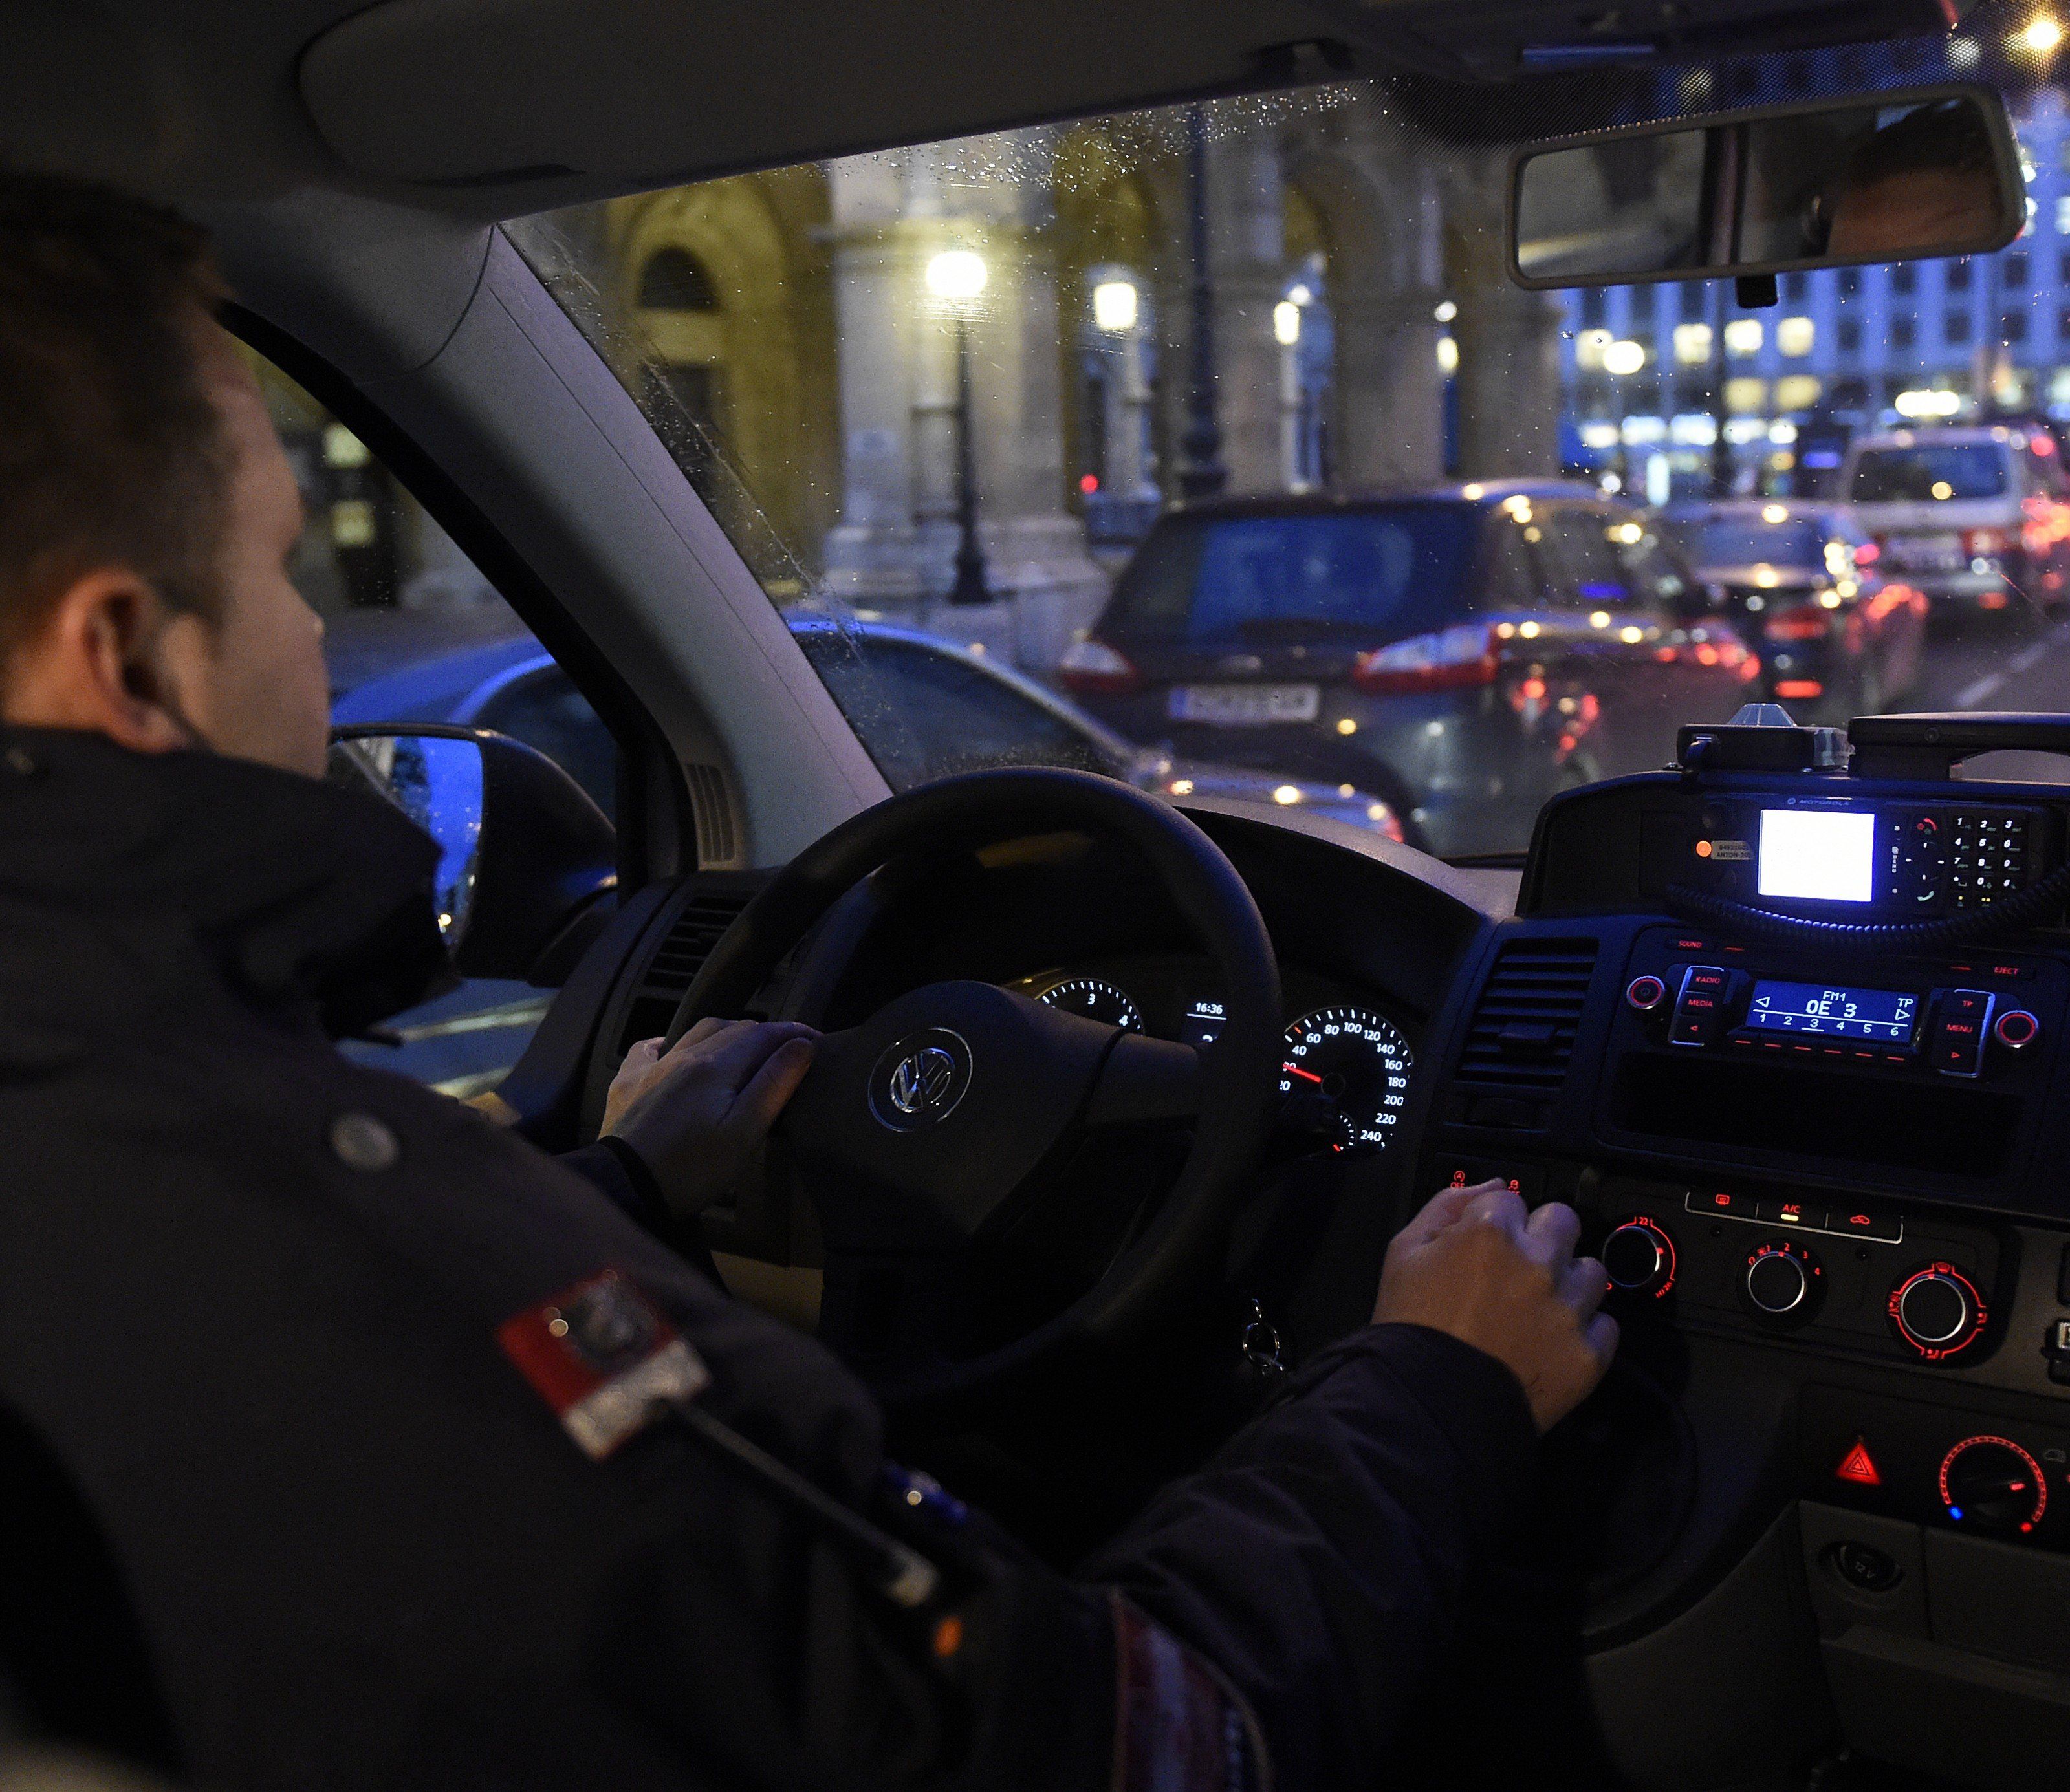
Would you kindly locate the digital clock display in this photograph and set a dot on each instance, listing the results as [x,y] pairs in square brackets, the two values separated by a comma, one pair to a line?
[1883,1016]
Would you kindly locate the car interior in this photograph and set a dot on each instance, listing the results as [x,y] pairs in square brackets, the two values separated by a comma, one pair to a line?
[1780,1010]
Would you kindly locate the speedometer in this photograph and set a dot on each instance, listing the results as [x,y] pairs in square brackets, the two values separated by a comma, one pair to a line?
[1345,1074]
[1096,999]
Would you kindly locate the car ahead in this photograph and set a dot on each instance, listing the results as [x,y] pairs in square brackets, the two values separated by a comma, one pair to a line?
[1802,582]
[1976,518]
[1465,651]
[924,706]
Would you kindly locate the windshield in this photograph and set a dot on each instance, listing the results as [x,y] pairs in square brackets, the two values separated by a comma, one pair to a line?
[1103,404]
[1367,578]
[1744,544]
[1922,473]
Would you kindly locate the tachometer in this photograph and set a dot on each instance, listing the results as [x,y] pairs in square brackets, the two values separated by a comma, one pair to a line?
[1097,1000]
[1345,1074]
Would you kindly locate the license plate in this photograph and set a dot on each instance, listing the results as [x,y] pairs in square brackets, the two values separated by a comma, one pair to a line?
[1245,703]
[1941,554]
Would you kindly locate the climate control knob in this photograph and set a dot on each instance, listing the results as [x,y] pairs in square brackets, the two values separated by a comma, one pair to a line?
[1638,1256]
[1782,1284]
[1937,1311]
[1994,1483]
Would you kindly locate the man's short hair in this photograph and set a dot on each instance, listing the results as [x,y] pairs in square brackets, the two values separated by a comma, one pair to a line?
[112,451]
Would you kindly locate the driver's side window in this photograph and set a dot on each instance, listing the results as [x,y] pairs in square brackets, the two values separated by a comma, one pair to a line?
[414,632]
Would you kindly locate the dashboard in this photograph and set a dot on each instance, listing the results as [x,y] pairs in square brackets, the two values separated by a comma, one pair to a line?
[1348,1058]
[1818,1126]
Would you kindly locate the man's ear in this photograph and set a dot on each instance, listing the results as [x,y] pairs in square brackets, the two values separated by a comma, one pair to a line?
[100,664]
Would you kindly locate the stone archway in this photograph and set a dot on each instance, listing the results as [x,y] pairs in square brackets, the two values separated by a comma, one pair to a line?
[1375,209]
[725,288]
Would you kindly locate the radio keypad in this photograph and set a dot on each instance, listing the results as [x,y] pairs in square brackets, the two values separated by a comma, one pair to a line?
[1959,857]
[1986,856]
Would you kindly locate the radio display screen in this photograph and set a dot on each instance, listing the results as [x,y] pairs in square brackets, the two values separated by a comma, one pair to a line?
[1883,1016]
[1819,854]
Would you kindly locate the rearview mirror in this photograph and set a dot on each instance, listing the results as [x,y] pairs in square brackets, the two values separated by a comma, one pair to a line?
[525,857]
[1897,177]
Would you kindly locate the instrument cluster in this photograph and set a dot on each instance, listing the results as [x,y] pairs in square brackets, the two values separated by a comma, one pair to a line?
[1345,1065]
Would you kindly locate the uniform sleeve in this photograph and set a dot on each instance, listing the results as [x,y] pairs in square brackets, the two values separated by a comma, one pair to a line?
[617,1172]
[1318,1561]
[1263,1625]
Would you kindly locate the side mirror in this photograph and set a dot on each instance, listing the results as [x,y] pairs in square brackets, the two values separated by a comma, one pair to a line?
[1930,172]
[526,859]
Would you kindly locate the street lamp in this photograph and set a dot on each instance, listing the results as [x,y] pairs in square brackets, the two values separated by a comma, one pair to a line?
[1202,473]
[956,278]
[1115,306]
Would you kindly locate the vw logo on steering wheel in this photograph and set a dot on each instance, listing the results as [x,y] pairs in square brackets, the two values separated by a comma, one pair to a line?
[920,1080]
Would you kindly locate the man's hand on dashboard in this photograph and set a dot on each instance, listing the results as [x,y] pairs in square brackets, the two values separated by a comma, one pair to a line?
[1473,1265]
[696,1113]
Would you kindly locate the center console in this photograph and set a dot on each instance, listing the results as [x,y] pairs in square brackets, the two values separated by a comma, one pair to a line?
[1791,1038]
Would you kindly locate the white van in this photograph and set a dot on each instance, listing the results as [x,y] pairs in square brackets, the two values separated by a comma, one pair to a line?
[1976,517]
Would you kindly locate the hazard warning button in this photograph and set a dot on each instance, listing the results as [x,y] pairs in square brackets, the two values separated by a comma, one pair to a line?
[1858,1466]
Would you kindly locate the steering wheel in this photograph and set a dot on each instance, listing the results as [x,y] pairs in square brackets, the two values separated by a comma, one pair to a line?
[949,1118]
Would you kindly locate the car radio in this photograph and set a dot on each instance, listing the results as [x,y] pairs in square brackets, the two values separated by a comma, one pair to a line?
[1966,1017]
[1828,856]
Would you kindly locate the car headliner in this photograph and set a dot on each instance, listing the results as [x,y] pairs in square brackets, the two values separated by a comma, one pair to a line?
[480,109]
[476,110]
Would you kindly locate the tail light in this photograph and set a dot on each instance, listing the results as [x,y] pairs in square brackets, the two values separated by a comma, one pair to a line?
[1091,668]
[1799,688]
[1801,621]
[1868,553]
[1451,659]
[1976,542]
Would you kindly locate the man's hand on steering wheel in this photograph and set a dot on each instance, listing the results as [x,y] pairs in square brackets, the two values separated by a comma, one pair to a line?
[1472,1265]
[696,1113]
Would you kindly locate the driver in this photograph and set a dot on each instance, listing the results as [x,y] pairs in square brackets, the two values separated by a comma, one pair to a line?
[351,1396]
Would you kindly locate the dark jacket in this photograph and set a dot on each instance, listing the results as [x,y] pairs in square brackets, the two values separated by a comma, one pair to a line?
[360,1550]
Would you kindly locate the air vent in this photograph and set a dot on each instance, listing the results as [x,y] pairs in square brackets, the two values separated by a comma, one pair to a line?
[677,962]
[1523,1032]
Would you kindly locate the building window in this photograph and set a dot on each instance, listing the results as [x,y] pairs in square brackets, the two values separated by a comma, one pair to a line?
[1692,344]
[2063,324]
[1795,286]
[2014,269]
[2063,215]
[674,279]
[1904,332]
[1695,301]
[1595,307]
[1958,276]
[1793,336]
[1849,335]
[1743,337]
[1904,277]
[2012,327]
[1850,282]
[1955,326]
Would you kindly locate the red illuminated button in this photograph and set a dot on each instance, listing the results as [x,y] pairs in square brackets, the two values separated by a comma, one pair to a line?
[2016,1029]
[1722,1203]
[1884,1228]
[1791,1213]
[1646,994]
[1858,1466]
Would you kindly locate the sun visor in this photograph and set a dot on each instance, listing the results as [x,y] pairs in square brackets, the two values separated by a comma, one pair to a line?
[476,92]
